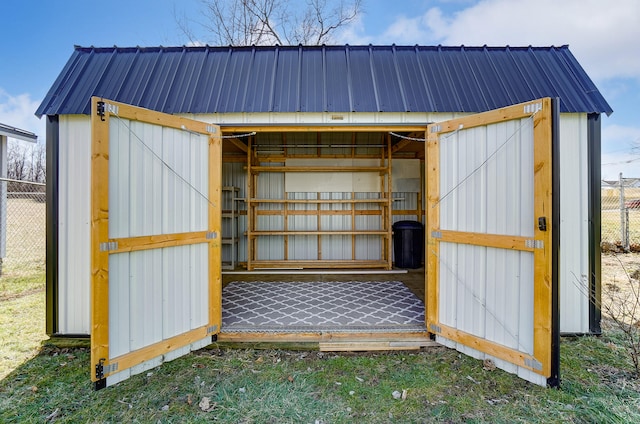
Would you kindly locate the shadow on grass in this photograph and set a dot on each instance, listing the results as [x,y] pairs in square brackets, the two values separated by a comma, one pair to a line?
[286,386]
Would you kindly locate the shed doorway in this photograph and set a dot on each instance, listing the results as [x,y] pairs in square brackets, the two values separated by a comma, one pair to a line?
[157,234]
[308,214]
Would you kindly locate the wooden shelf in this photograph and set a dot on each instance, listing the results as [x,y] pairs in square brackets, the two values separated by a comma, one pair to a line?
[321,233]
[380,207]
[315,201]
[381,169]
[230,239]
[317,264]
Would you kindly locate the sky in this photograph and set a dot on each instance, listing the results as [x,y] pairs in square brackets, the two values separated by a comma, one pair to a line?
[37,38]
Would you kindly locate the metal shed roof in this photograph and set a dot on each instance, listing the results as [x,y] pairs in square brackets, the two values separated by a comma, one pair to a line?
[322,79]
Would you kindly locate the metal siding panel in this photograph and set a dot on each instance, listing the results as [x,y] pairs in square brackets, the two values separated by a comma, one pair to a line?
[199,270]
[160,75]
[490,85]
[201,79]
[312,83]
[287,80]
[119,304]
[258,94]
[74,261]
[483,189]
[337,90]
[362,84]
[463,81]
[448,285]
[86,77]
[210,84]
[234,84]
[390,94]
[119,178]
[574,222]
[145,302]
[417,94]
[182,87]
[438,72]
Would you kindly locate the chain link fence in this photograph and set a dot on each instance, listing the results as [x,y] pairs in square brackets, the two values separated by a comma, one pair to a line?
[621,215]
[22,227]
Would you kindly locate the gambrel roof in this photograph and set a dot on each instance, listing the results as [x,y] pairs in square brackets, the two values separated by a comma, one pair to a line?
[322,79]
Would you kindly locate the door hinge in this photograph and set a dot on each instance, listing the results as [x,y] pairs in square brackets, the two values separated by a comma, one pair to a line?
[534,244]
[436,234]
[212,329]
[102,369]
[212,129]
[108,246]
[100,110]
[211,235]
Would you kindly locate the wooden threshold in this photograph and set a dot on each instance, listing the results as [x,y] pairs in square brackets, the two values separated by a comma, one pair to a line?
[337,341]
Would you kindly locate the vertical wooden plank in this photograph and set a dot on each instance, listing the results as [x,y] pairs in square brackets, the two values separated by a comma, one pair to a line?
[99,234]
[250,207]
[387,213]
[318,226]
[432,252]
[353,226]
[215,226]
[542,151]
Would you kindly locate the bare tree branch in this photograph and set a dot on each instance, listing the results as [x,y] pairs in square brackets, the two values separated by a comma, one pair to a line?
[267,22]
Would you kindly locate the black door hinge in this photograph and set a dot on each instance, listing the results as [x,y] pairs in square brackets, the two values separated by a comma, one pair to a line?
[100,110]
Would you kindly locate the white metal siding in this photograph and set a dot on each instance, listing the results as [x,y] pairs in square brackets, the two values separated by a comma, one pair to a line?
[574,224]
[493,195]
[74,197]
[158,180]
[156,294]
[158,184]
[486,186]
[74,210]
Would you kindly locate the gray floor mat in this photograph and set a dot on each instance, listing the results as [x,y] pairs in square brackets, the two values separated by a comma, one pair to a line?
[345,306]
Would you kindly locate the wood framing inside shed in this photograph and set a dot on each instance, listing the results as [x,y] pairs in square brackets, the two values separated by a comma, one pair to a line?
[314,165]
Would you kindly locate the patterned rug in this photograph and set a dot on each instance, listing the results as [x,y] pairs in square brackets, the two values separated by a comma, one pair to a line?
[344,306]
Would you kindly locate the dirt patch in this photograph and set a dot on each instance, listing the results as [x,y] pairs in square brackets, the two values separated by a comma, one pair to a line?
[621,286]
[13,296]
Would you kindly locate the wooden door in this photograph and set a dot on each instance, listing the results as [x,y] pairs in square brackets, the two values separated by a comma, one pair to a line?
[155,238]
[489,245]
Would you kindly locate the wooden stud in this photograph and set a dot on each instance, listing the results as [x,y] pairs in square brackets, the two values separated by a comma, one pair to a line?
[305,128]
[542,171]
[432,247]
[215,227]
[99,234]
[251,218]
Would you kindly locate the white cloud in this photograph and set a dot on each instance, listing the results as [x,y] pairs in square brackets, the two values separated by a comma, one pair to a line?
[620,151]
[18,111]
[602,35]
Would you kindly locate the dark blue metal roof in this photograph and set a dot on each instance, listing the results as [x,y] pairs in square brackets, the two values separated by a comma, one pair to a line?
[322,79]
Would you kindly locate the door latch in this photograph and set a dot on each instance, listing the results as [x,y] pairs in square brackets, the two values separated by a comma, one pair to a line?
[542,223]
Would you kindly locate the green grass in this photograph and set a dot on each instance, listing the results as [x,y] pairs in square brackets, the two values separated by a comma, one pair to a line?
[285,386]
[42,381]
[21,319]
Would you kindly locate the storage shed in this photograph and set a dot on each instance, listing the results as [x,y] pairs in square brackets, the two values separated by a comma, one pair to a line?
[167,165]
